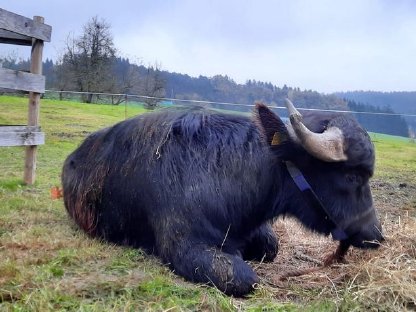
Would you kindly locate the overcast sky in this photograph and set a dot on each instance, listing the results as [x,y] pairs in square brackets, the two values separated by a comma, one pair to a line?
[323,45]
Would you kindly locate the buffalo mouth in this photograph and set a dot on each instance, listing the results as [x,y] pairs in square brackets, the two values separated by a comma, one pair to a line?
[369,237]
[364,231]
[364,243]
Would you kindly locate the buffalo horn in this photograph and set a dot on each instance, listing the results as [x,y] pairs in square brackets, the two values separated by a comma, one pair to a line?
[327,146]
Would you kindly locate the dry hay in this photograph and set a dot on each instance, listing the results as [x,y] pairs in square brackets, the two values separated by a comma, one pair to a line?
[383,278]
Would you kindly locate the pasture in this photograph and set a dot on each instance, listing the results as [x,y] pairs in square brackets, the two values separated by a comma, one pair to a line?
[46,264]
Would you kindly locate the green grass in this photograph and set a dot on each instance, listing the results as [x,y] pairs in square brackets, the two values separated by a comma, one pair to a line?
[46,264]
[394,155]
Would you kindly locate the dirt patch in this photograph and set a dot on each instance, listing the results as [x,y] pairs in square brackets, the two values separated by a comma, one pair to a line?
[395,198]
[70,135]
[89,284]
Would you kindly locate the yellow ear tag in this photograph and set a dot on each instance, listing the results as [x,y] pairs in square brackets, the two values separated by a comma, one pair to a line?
[276,139]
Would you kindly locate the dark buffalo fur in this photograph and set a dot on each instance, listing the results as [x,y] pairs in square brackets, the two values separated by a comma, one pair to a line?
[199,189]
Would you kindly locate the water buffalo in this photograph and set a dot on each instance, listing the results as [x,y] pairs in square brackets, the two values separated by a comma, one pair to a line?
[200,188]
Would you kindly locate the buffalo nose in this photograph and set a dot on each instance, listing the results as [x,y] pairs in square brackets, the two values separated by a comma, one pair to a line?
[381,237]
[377,235]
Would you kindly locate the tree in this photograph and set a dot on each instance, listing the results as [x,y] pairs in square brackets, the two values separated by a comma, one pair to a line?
[64,76]
[152,86]
[89,59]
[131,78]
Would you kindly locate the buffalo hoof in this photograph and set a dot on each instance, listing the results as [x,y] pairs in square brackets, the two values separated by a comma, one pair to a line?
[209,265]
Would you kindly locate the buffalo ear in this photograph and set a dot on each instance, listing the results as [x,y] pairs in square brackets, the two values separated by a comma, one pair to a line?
[271,126]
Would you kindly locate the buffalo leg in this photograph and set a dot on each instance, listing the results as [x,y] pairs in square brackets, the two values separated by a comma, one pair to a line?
[205,264]
[261,245]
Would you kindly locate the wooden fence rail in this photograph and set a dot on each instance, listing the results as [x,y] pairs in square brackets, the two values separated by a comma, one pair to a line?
[18,80]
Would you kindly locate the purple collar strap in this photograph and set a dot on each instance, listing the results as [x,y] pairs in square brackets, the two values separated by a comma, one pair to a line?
[338,233]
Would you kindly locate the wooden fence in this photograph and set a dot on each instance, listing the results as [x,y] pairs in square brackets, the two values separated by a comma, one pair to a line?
[20,30]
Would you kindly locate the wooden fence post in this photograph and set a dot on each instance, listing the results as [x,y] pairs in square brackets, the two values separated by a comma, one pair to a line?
[20,30]
[34,106]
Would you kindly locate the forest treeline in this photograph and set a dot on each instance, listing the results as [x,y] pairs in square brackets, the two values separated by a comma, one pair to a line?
[400,102]
[380,119]
[223,89]
[90,64]
[397,102]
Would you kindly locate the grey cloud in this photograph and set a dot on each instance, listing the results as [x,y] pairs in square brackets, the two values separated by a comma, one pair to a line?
[323,45]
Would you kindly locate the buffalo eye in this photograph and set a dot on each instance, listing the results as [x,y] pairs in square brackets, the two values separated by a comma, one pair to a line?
[353,179]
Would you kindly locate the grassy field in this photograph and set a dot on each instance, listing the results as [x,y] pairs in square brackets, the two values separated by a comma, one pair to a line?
[46,264]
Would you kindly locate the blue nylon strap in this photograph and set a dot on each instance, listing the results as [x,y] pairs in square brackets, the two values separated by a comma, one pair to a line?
[306,189]
[298,177]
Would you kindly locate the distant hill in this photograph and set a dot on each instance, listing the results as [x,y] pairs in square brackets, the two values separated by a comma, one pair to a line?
[398,102]
[381,120]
